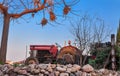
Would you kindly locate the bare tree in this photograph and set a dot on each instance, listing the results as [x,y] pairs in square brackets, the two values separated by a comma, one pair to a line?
[101,31]
[14,9]
[88,30]
[81,30]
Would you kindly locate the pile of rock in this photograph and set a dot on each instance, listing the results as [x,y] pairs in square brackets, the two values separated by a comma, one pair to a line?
[54,70]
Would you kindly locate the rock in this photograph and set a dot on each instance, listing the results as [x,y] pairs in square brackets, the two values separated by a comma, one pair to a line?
[46,72]
[5,67]
[93,74]
[43,71]
[77,67]
[87,68]
[73,69]
[64,67]
[50,69]
[36,71]
[84,74]
[103,71]
[64,74]
[1,73]
[43,66]
[114,73]
[5,75]
[78,73]
[53,66]
[61,69]
[57,73]
[23,72]
[71,74]
[54,70]
[52,74]
[69,65]
[69,70]
[41,74]
[1,66]
[31,66]
[16,69]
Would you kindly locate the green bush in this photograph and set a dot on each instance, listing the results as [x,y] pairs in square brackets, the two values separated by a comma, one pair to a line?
[1,62]
[101,57]
[118,57]
[92,63]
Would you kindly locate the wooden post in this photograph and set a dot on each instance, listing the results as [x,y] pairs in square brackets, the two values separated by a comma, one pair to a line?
[113,52]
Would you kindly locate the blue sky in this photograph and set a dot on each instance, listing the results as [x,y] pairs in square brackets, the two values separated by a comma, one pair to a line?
[23,34]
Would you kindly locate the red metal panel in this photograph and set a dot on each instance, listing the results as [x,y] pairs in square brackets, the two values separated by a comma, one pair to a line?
[40,47]
[51,48]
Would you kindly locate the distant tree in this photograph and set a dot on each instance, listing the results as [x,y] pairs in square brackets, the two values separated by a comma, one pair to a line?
[88,30]
[14,9]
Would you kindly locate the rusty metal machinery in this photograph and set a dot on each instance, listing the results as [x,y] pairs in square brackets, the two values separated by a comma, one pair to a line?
[69,55]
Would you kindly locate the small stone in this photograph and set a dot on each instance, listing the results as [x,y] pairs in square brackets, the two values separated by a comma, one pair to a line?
[87,68]
[57,73]
[36,71]
[41,74]
[43,66]
[53,66]
[4,68]
[104,71]
[71,74]
[43,71]
[77,67]
[1,73]
[16,69]
[93,74]
[84,74]
[46,72]
[64,74]
[5,75]
[69,65]
[78,73]
[50,69]
[114,73]
[61,69]
[31,66]
[65,67]
[22,72]
[69,70]
[52,74]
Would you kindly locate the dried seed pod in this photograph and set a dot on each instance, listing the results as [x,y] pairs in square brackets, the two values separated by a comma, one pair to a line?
[44,21]
[66,10]
[52,16]
[50,2]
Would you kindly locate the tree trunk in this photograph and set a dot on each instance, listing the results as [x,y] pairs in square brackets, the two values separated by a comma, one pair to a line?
[3,49]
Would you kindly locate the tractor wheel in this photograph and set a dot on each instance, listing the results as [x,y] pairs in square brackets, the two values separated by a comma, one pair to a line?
[31,60]
[68,59]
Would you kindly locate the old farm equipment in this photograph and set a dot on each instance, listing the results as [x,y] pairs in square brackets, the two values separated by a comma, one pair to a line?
[69,54]
[49,54]
[42,54]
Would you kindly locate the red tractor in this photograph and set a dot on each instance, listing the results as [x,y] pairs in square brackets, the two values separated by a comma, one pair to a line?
[42,54]
[49,54]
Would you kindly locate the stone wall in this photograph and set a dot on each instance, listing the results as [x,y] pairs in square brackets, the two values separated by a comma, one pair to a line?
[54,70]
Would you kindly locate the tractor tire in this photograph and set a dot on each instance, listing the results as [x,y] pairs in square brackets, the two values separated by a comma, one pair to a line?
[31,60]
[68,59]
